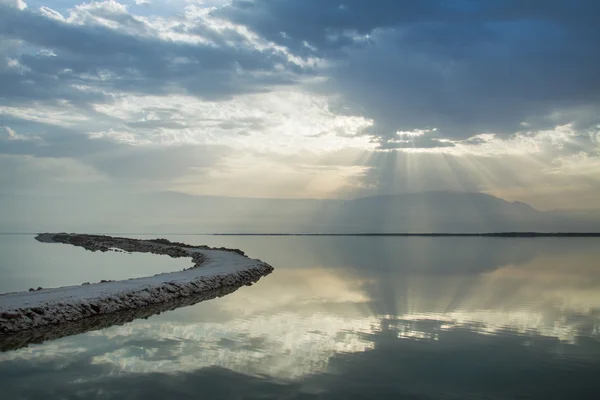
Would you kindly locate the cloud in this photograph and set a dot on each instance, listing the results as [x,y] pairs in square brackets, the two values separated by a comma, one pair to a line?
[284,120]
[102,50]
[18,4]
[45,140]
[416,140]
[119,161]
[29,175]
[10,135]
[309,98]
[158,163]
[464,68]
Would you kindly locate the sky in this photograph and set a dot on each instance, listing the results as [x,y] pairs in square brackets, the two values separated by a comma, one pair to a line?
[302,99]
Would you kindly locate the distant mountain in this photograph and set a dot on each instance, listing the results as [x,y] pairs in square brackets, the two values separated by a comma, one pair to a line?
[440,212]
[172,212]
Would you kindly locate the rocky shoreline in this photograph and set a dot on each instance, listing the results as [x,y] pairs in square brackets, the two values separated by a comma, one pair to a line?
[66,310]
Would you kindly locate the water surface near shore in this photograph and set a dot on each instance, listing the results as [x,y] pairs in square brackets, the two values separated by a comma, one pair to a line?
[26,263]
[340,317]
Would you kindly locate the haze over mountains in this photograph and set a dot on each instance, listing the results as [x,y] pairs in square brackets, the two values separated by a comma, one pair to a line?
[172,212]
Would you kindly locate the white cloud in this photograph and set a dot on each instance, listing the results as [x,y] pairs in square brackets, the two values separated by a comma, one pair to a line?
[12,135]
[283,121]
[546,143]
[59,115]
[52,14]
[14,64]
[261,175]
[20,4]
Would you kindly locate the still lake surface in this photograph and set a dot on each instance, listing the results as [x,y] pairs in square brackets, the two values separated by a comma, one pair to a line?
[340,318]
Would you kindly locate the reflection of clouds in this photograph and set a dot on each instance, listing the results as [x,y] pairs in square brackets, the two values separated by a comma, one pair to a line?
[285,345]
[457,361]
[556,295]
[57,350]
[286,328]
[568,283]
[289,346]
[307,289]
[297,320]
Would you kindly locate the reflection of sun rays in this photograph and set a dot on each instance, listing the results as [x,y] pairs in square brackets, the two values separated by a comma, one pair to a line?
[552,296]
[296,320]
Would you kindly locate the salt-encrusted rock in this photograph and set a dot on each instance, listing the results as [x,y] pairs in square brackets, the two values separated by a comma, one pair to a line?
[214,271]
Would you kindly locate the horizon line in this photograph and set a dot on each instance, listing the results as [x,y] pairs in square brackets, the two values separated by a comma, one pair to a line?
[516,234]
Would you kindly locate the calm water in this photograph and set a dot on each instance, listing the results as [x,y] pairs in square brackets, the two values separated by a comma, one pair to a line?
[340,318]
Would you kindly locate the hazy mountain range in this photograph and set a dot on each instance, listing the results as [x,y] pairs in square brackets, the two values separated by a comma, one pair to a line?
[171,212]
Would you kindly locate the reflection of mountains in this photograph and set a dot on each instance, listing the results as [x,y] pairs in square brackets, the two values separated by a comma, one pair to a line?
[539,284]
[24,338]
[370,256]
[442,275]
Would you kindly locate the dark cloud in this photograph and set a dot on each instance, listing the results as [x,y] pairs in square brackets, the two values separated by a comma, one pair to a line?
[465,67]
[114,60]
[323,25]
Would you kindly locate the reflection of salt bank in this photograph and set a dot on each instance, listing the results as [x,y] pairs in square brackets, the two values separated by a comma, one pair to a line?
[213,269]
[16,340]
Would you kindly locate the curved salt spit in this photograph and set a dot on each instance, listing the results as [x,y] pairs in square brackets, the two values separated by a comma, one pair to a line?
[214,270]
[16,340]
